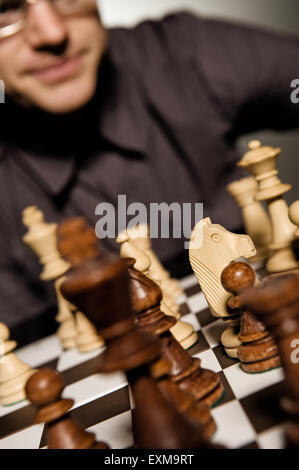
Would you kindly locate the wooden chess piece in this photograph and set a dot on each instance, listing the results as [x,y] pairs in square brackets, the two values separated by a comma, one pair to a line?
[99,286]
[128,249]
[211,249]
[13,372]
[256,220]
[140,236]
[203,385]
[276,304]
[258,351]
[261,163]
[182,331]
[42,239]
[66,332]
[44,390]
[294,217]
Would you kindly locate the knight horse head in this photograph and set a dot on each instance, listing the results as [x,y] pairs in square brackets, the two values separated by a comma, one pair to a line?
[211,249]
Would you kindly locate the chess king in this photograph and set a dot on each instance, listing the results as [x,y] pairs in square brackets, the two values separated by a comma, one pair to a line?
[152,112]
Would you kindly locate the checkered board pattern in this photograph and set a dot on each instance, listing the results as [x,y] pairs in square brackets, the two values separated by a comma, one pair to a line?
[249,416]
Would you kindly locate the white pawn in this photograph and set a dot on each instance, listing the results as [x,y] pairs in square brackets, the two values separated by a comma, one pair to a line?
[294,216]
[183,332]
[41,238]
[128,249]
[140,236]
[13,372]
[87,336]
[136,238]
[66,332]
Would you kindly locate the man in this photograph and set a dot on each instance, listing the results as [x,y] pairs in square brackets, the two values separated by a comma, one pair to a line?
[151,113]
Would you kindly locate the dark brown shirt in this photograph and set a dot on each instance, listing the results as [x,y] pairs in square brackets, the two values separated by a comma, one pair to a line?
[172,98]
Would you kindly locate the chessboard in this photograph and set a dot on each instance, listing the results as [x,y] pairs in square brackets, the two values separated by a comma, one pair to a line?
[249,415]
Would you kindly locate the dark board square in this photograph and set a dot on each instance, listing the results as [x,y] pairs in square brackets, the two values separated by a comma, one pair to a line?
[50,365]
[184,309]
[192,290]
[228,393]
[205,317]
[223,358]
[251,445]
[262,408]
[98,410]
[81,371]
[262,272]
[17,420]
[200,345]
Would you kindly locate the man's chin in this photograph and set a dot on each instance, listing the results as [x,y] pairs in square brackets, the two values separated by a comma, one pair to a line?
[64,98]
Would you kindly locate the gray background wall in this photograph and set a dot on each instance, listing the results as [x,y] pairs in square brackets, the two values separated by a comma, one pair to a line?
[280,15]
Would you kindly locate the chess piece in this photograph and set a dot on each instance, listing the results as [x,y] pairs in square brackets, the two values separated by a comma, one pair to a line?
[66,332]
[129,248]
[44,390]
[256,221]
[211,249]
[42,239]
[294,217]
[99,286]
[261,163]
[276,304]
[140,236]
[186,372]
[87,336]
[13,372]
[182,331]
[258,351]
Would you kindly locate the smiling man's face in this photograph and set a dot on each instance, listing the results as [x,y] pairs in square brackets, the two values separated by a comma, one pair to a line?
[53,62]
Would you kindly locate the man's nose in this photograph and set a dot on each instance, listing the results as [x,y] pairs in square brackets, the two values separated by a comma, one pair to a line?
[44,26]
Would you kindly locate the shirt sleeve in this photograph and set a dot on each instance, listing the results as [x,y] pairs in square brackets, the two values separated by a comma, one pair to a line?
[248,72]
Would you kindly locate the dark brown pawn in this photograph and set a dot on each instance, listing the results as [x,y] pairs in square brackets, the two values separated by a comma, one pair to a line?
[44,390]
[258,352]
[146,296]
[276,303]
[99,287]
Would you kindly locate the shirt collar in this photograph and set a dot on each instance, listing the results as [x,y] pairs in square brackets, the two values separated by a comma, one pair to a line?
[122,108]
[51,172]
